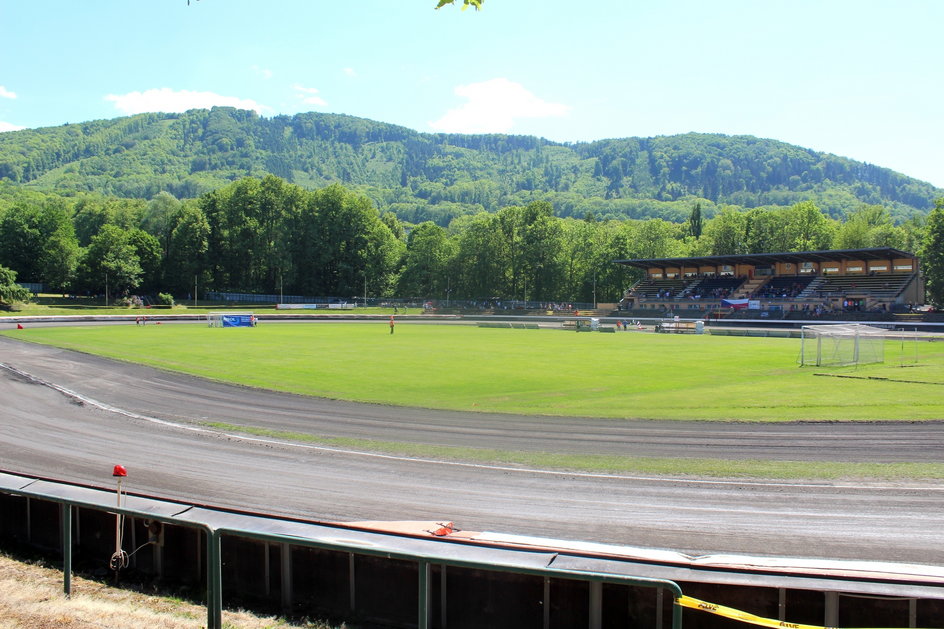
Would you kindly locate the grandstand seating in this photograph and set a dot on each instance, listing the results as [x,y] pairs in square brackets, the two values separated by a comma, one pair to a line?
[784,286]
[652,288]
[713,287]
[880,287]
[798,296]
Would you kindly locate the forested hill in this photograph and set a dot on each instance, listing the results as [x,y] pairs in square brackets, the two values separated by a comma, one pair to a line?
[437,177]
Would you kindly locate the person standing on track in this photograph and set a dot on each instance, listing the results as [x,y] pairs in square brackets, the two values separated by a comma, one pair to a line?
[391,324]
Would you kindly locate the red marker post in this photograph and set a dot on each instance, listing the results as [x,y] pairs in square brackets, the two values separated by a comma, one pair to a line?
[120,559]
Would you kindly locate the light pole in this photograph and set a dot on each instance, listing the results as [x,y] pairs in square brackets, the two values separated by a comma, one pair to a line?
[106,289]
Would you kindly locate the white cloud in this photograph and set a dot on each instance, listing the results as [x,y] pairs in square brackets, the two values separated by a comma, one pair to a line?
[5,93]
[6,126]
[265,73]
[175,101]
[309,95]
[493,107]
[349,71]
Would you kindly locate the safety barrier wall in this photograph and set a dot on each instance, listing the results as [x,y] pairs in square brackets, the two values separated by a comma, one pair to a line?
[308,569]
[336,571]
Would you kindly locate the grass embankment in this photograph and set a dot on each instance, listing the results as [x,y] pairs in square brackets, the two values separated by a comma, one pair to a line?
[31,596]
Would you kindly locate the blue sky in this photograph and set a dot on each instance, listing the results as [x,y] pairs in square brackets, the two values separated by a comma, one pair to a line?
[862,79]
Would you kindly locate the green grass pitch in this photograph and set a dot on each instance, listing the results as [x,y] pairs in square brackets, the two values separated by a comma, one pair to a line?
[546,371]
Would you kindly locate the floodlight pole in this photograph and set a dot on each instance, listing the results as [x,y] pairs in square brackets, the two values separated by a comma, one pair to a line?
[194,291]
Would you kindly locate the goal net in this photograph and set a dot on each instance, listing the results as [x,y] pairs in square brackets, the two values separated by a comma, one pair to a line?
[845,344]
[231,320]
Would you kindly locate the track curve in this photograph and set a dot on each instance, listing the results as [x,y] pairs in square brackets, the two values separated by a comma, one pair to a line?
[46,433]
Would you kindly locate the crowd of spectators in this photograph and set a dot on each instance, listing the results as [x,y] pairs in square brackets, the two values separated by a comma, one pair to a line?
[714,293]
[780,291]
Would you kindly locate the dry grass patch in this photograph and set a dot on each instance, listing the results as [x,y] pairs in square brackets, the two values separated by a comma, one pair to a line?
[31,597]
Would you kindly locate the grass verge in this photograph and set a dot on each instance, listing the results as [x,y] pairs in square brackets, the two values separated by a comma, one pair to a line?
[31,596]
[595,464]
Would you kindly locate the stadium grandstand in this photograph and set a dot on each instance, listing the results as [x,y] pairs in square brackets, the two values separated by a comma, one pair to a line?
[867,284]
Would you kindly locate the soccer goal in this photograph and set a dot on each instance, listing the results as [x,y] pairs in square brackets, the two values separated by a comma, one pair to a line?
[231,320]
[839,345]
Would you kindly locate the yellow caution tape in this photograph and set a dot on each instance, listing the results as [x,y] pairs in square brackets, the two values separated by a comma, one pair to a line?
[737,614]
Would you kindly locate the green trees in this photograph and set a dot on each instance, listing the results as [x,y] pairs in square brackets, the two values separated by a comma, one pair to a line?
[727,232]
[266,235]
[695,225]
[355,248]
[932,256]
[186,264]
[38,242]
[868,226]
[465,4]
[10,291]
[110,264]
[428,263]
[807,228]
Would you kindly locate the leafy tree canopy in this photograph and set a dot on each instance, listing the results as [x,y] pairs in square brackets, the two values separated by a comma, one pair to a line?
[465,4]
[10,291]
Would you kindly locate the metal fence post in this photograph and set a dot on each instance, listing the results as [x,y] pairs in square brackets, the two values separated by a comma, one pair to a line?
[424,574]
[66,549]
[596,605]
[676,612]
[214,581]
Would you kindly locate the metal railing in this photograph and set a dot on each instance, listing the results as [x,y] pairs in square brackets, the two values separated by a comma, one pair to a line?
[424,560]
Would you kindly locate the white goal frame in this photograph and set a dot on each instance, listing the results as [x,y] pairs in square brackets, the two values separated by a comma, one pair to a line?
[841,345]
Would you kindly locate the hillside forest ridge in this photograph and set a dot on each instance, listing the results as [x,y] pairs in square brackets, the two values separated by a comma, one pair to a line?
[333,205]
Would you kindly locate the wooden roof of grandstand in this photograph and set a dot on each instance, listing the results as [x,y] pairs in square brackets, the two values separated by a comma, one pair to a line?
[836,255]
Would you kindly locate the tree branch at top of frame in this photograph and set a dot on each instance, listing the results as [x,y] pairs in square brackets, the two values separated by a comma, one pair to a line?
[465,4]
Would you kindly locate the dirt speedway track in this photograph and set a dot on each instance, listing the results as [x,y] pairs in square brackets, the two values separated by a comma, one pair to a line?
[45,432]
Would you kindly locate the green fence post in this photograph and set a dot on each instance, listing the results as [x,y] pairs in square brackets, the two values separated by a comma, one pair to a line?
[66,549]
[676,612]
[424,570]
[214,581]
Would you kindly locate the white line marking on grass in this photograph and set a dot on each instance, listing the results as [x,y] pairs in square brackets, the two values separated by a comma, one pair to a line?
[484,466]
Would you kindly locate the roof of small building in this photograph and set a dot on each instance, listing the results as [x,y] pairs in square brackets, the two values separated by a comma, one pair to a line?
[837,255]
